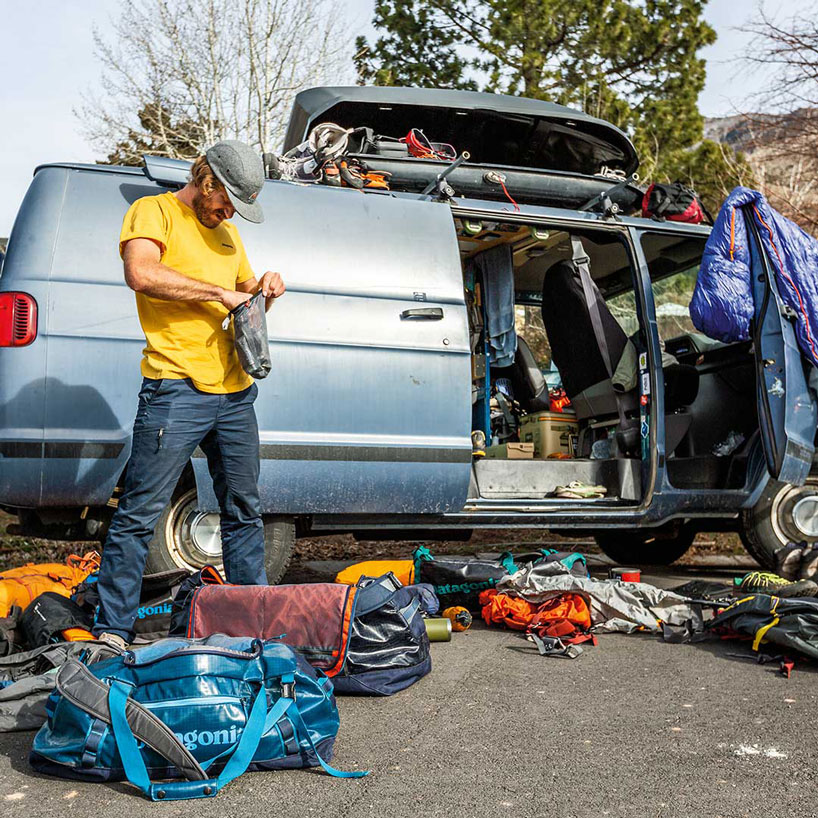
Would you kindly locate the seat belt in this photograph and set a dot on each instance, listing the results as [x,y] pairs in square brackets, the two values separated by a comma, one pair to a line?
[591,291]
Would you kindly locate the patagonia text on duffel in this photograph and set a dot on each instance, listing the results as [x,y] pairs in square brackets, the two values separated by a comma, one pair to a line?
[204,710]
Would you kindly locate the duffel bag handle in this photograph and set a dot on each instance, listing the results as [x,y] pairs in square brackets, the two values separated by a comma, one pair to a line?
[258,723]
[134,764]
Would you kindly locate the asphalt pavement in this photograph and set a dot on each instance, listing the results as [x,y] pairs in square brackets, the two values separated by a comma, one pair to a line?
[632,727]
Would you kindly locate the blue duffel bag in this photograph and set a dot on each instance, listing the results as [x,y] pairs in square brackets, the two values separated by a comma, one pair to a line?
[204,710]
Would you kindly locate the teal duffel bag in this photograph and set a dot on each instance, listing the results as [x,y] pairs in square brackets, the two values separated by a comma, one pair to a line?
[203,710]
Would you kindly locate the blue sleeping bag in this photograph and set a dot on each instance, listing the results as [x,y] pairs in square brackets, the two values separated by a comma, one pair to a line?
[722,305]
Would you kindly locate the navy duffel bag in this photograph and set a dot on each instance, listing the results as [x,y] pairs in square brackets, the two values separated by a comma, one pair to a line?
[204,710]
[369,638]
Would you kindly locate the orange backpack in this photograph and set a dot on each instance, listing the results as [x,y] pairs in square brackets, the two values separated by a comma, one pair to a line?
[19,586]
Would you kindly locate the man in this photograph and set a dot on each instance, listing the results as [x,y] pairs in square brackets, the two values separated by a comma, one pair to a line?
[188,267]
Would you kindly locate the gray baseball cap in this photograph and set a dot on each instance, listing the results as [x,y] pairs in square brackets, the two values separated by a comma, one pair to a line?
[239,168]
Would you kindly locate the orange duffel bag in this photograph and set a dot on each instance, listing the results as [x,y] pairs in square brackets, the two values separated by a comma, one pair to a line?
[404,570]
[20,586]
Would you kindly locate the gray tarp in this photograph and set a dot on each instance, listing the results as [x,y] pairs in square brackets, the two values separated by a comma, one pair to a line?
[615,606]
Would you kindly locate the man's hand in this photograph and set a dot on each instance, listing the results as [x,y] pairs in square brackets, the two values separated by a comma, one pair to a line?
[272,286]
[232,299]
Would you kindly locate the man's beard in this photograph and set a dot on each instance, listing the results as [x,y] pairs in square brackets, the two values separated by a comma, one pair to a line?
[207,216]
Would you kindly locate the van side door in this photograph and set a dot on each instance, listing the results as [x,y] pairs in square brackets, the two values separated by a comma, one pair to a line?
[368,405]
[786,405]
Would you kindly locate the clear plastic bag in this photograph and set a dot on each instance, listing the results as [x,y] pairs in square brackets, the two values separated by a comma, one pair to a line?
[250,333]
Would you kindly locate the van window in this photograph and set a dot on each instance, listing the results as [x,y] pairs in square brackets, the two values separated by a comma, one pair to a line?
[623,309]
[528,324]
[673,263]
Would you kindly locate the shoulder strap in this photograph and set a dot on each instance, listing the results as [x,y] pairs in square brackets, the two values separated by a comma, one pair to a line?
[84,690]
[507,561]
[592,296]
[259,721]
[134,765]
[376,592]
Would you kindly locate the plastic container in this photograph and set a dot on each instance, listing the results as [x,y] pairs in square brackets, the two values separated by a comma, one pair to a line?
[550,432]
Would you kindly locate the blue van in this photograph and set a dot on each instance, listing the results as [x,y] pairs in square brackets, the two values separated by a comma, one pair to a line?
[395,407]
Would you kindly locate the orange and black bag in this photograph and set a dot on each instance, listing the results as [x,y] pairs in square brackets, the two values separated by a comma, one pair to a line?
[21,586]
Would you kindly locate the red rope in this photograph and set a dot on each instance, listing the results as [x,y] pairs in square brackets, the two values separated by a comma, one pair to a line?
[508,196]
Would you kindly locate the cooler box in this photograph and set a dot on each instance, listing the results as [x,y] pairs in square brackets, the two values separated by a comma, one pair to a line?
[550,432]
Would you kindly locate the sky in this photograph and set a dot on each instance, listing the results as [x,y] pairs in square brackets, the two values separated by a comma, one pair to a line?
[45,74]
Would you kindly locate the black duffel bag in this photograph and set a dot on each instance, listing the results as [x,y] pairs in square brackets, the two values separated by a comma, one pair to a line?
[458,580]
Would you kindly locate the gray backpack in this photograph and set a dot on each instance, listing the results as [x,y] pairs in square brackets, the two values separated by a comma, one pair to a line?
[27,679]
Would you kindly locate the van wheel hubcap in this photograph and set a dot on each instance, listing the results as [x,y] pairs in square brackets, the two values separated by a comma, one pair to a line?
[795,513]
[193,537]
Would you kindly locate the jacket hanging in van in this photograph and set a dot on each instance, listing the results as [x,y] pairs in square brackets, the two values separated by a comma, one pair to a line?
[722,305]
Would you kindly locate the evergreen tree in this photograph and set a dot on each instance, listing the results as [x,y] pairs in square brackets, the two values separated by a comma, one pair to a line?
[632,63]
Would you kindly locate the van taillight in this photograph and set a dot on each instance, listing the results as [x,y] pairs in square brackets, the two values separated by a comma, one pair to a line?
[18,319]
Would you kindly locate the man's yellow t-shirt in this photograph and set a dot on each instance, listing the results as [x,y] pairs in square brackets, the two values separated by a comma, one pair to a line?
[185,339]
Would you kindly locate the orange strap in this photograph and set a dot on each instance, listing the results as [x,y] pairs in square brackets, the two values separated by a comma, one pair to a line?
[342,654]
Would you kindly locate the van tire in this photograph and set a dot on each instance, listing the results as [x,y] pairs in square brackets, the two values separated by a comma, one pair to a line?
[646,546]
[769,524]
[172,547]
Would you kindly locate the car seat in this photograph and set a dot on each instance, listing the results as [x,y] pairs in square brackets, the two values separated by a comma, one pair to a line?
[527,382]
[575,351]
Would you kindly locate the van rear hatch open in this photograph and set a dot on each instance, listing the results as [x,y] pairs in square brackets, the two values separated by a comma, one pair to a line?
[496,130]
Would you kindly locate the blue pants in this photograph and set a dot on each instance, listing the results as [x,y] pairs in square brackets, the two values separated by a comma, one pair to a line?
[173,419]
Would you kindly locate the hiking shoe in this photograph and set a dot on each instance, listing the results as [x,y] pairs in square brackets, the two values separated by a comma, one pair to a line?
[580,491]
[114,640]
[764,582]
[809,562]
[788,560]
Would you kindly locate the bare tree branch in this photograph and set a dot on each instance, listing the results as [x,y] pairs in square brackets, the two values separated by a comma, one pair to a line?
[178,75]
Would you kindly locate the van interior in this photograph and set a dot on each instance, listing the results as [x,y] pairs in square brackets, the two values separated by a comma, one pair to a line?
[560,381]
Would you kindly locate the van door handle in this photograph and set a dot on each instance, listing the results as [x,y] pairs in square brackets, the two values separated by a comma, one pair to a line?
[425,313]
